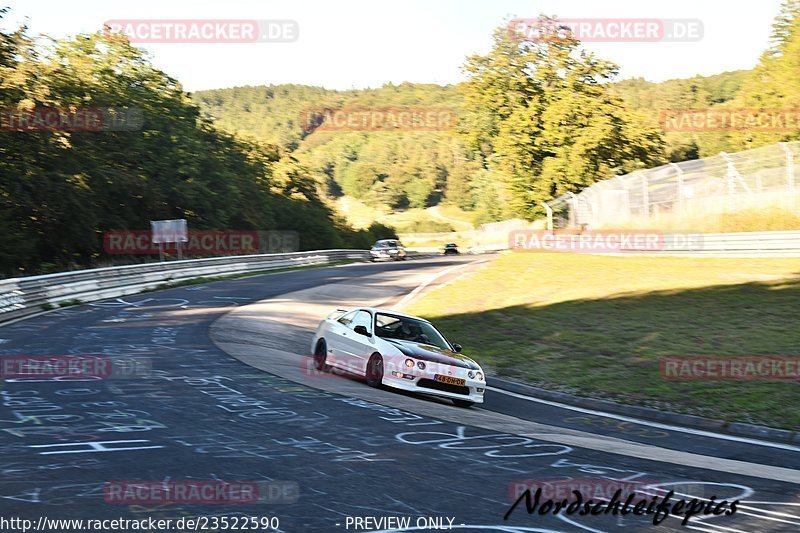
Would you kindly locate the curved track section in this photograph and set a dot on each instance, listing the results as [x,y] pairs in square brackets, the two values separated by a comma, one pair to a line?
[200,414]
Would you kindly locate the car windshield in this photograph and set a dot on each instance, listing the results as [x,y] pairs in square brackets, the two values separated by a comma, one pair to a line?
[385,244]
[408,329]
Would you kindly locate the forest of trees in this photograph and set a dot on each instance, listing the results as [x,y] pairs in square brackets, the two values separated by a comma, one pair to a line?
[536,120]
[394,169]
[60,190]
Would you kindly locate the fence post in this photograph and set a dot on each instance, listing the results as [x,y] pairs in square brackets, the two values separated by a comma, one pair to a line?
[733,175]
[573,215]
[789,172]
[729,177]
[549,211]
[645,197]
[679,178]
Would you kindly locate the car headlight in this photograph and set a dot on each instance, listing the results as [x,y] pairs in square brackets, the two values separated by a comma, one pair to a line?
[480,376]
[471,374]
[410,363]
[420,365]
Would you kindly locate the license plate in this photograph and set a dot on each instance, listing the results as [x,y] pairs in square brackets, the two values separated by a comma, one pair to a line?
[450,380]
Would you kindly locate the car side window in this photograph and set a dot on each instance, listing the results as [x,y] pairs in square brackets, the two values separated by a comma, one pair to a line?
[347,318]
[362,318]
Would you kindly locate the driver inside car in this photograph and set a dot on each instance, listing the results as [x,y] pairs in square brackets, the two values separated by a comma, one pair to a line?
[412,332]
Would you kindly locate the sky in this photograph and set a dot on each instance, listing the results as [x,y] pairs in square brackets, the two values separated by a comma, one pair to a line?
[345,44]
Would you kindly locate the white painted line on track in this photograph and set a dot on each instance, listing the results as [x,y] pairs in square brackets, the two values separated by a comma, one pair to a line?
[690,431]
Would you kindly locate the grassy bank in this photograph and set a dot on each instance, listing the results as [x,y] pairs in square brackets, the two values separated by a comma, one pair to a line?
[763,219]
[598,326]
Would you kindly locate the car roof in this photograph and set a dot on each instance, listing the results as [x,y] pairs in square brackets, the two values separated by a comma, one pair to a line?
[388,312]
[386,240]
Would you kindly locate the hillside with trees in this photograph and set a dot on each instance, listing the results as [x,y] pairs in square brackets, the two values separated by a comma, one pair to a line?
[650,99]
[536,120]
[60,190]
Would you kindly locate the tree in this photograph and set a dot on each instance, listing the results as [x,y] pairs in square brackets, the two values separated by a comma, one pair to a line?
[61,190]
[772,85]
[540,114]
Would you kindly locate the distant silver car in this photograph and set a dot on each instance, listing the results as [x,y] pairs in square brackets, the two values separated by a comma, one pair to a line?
[387,249]
[397,350]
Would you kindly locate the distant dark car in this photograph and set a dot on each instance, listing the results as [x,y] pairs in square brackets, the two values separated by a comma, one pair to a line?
[388,249]
[451,249]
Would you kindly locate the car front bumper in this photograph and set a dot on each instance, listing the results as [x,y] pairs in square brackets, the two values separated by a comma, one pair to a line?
[424,382]
[387,255]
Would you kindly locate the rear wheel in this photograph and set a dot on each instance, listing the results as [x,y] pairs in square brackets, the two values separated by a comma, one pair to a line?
[463,403]
[375,370]
[321,356]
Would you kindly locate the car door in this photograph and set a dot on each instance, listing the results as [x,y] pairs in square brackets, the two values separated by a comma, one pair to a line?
[337,352]
[358,347]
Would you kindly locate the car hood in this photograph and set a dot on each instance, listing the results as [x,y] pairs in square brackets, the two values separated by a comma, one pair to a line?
[432,354]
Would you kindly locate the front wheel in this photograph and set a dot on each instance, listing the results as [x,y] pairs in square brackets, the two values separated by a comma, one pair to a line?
[375,371]
[321,356]
[463,403]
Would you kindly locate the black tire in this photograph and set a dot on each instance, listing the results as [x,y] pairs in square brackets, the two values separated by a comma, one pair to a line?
[463,403]
[321,356]
[375,371]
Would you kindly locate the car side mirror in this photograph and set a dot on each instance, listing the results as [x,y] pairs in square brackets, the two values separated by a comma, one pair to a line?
[362,330]
[457,348]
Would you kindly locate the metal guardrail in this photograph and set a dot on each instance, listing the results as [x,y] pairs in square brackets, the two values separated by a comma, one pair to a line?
[26,296]
[744,244]
[30,295]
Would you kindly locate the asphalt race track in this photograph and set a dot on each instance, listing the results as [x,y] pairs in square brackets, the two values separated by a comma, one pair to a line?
[225,393]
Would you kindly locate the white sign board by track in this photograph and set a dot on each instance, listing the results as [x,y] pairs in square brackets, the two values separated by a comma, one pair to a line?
[166,231]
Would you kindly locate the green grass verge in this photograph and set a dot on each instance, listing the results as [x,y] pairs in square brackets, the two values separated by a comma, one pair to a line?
[763,219]
[598,326]
[442,218]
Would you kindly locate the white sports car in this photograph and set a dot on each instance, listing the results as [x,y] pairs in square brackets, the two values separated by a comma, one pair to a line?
[397,350]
